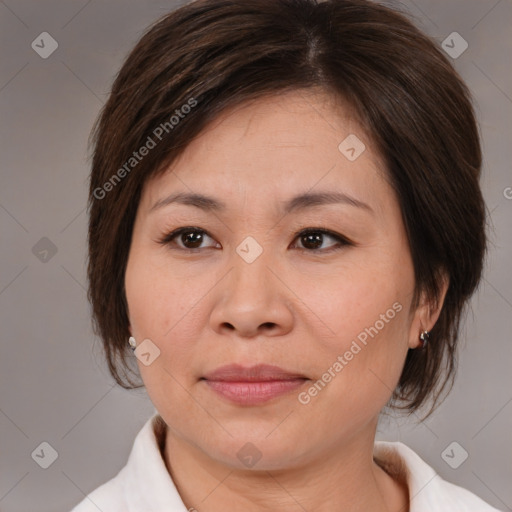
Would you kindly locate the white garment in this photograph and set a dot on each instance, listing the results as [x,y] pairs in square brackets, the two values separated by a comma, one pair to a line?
[144,484]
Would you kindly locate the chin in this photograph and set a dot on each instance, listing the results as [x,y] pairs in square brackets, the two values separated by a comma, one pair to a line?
[255,452]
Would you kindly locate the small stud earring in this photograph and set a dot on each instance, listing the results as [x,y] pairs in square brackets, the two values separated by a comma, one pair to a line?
[132,342]
[424,337]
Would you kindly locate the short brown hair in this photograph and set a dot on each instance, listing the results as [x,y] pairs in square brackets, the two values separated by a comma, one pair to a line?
[213,54]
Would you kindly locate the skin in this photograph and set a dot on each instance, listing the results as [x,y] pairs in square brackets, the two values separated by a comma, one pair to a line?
[296,306]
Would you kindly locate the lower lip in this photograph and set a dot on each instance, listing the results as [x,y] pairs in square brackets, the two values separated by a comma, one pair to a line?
[252,393]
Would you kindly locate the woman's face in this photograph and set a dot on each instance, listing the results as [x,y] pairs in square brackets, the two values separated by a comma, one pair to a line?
[241,285]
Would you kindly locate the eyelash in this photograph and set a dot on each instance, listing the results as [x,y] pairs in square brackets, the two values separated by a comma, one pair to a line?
[342,241]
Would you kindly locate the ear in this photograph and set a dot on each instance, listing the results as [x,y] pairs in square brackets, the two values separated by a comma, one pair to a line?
[427,313]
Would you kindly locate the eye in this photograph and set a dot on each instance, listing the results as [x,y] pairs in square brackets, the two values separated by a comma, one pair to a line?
[312,238]
[190,237]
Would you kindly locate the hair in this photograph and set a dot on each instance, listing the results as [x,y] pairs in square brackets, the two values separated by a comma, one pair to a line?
[210,55]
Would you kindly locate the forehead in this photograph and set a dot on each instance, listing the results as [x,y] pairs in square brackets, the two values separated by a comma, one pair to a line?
[276,146]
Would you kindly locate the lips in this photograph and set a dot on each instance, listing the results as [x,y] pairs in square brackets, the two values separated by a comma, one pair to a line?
[258,373]
[253,385]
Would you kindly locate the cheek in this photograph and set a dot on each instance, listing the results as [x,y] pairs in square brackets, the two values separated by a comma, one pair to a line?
[360,370]
[159,309]
[163,306]
[343,303]
[366,312]
[157,297]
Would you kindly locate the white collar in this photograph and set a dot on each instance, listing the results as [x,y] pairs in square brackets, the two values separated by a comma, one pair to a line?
[144,484]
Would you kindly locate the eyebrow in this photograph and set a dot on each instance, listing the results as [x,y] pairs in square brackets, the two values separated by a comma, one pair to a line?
[300,202]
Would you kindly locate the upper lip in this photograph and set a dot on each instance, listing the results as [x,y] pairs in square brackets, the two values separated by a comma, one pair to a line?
[258,373]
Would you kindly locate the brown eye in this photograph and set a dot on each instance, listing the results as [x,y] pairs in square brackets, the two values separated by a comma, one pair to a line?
[186,238]
[312,240]
[191,239]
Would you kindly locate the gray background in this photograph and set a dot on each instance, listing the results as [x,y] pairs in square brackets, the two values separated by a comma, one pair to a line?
[54,384]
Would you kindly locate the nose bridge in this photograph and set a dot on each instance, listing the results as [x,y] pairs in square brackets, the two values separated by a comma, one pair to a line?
[250,273]
[251,296]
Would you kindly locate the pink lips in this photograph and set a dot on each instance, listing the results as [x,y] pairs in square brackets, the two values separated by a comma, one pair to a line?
[254,385]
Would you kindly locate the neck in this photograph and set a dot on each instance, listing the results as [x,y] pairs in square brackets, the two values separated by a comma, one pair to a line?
[346,478]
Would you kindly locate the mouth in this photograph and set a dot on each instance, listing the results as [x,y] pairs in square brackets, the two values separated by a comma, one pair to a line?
[253,385]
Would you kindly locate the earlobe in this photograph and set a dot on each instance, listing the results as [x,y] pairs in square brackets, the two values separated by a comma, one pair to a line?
[424,337]
[426,316]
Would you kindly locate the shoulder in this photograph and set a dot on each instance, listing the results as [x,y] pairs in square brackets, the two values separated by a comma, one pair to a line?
[108,496]
[142,484]
[427,490]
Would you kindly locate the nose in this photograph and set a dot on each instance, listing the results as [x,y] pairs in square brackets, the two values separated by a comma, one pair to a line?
[252,301]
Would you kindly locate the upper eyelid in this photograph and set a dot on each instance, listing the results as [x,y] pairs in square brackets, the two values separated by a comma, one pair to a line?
[173,234]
